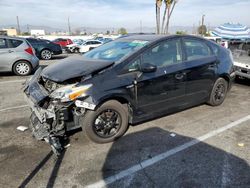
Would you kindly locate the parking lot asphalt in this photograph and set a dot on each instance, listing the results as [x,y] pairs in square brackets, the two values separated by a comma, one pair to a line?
[199,147]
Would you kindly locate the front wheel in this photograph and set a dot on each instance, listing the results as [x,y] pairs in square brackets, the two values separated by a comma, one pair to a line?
[107,123]
[219,92]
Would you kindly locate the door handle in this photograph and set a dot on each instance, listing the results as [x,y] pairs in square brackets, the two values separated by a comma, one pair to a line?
[179,76]
[10,51]
[213,65]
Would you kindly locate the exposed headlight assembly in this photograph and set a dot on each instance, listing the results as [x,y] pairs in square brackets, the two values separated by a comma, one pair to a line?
[70,92]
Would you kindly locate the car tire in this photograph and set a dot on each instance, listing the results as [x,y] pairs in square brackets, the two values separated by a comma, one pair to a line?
[98,124]
[219,92]
[46,54]
[22,68]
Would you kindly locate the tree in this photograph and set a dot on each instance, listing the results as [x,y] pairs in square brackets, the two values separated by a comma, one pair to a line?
[202,30]
[158,4]
[107,32]
[180,32]
[170,5]
[169,8]
[122,31]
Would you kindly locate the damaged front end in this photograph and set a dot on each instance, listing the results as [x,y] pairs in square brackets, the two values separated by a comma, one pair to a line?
[53,109]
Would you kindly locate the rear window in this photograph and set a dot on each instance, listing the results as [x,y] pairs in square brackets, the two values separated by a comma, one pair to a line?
[196,49]
[15,43]
[3,44]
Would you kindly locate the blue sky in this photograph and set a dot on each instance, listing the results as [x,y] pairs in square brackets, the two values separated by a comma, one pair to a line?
[118,13]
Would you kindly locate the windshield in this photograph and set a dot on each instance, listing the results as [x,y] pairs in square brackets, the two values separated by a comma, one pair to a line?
[114,51]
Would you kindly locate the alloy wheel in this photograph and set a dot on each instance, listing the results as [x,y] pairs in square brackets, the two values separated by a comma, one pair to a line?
[46,54]
[22,68]
[107,123]
[220,92]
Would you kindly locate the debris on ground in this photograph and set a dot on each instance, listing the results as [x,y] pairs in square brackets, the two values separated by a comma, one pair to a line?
[241,144]
[22,128]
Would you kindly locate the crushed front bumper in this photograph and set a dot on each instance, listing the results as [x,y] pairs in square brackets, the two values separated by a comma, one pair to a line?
[47,121]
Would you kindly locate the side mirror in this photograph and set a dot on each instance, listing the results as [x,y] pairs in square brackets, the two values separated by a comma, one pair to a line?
[148,68]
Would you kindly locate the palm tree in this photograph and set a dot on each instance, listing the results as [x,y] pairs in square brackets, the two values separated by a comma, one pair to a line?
[158,4]
[170,5]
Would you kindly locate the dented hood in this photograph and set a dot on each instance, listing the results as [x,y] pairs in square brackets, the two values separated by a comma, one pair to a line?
[72,67]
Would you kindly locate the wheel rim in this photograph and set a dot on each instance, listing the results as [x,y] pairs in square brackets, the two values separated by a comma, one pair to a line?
[22,68]
[219,93]
[46,54]
[107,123]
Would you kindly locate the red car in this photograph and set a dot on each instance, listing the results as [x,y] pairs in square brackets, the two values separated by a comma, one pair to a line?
[63,42]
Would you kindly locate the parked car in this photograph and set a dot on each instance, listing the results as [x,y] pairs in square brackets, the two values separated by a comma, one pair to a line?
[126,81]
[74,48]
[63,42]
[89,45]
[45,49]
[242,63]
[17,55]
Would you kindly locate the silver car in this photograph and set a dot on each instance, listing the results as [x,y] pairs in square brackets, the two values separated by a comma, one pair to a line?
[17,55]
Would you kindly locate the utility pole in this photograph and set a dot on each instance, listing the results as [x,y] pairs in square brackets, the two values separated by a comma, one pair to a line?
[69,26]
[18,26]
[28,28]
[140,26]
[202,24]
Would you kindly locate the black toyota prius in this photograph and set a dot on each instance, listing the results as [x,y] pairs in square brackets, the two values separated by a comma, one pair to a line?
[125,82]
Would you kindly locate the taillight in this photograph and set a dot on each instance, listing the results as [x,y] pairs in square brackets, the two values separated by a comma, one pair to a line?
[29,51]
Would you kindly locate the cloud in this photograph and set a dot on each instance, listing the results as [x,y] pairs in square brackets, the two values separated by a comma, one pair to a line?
[114,13]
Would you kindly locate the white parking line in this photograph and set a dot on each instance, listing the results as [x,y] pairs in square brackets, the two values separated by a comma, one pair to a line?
[157,158]
[13,81]
[12,108]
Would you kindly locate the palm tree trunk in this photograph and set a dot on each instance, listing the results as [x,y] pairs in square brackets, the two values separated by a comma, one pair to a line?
[166,29]
[157,18]
[163,20]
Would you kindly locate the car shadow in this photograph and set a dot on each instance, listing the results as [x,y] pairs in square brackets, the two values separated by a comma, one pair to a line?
[39,166]
[61,56]
[201,165]
[243,81]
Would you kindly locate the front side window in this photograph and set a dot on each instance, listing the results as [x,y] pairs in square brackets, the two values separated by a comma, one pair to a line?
[196,49]
[164,54]
[132,66]
[3,44]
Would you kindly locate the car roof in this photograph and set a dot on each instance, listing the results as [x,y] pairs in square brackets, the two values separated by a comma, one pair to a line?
[9,37]
[154,37]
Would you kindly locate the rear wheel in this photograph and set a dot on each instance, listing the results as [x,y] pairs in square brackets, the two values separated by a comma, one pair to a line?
[107,123]
[46,54]
[22,68]
[219,92]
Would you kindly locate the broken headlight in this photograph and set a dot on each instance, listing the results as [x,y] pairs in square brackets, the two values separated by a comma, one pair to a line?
[70,92]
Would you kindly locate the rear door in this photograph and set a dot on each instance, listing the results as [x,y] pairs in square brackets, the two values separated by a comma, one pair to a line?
[201,69]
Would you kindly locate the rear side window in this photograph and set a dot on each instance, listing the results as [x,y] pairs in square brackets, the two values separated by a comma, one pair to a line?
[215,49]
[15,43]
[196,49]
[3,44]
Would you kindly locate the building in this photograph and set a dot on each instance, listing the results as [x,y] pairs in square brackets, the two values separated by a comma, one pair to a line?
[11,32]
[37,32]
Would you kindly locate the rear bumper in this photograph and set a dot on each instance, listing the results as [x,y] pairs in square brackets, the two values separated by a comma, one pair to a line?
[34,62]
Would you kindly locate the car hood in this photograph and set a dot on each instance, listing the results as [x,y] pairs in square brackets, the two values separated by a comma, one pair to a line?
[73,67]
